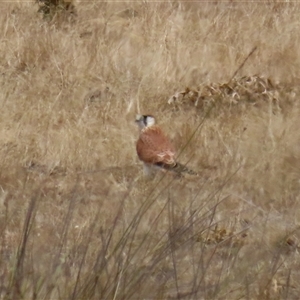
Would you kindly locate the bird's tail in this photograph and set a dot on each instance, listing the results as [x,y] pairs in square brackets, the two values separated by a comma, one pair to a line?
[178,168]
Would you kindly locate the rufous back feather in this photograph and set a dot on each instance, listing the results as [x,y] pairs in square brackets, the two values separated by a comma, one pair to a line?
[154,147]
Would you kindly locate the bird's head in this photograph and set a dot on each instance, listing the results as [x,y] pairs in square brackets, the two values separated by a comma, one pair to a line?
[144,121]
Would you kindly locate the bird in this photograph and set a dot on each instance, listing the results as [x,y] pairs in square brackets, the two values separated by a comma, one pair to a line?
[155,149]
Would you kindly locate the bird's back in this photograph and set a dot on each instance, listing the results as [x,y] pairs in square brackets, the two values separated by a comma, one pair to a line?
[154,147]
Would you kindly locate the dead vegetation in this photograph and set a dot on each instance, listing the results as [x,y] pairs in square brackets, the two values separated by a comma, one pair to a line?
[77,218]
[248,89]
[53,8]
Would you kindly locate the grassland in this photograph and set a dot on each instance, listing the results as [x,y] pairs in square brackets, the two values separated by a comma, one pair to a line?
[78,220]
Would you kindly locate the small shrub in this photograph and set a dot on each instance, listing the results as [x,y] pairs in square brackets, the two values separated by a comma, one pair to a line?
[51,8]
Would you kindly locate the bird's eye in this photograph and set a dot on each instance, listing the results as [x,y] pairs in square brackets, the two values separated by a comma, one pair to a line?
[145,120]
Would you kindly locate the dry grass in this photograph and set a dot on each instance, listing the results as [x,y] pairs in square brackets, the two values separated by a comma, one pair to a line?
[77,218]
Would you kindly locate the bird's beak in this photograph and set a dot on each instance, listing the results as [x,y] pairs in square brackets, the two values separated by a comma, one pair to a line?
[138,118]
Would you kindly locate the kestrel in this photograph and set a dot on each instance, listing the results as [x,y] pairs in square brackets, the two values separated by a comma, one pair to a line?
[154,149]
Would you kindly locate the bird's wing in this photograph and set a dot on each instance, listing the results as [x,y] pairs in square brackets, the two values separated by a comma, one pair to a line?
[154,147]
